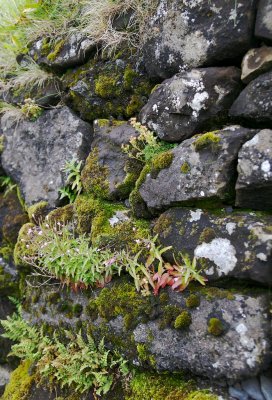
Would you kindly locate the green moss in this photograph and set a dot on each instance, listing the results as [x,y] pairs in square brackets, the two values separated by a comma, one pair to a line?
[94,177]
[125,188]
[107,86]
[209,139]
[135,199]
[164,297]
[20,383]
[145,356]
[185,168]
[212,293]
[1,143]
[155,88]
[21,250]
[163,226]
[170,313]
[57,49]
[215,327]
[202,395]
[135,103]
[106,123]
[61,214]
[207,235]
[161,161]
[37,212]
[129,76]
[46,47]
[192,301]
[183,320]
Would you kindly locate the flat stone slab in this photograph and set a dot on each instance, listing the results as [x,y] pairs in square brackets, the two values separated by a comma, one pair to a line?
[236,245]
[256,62]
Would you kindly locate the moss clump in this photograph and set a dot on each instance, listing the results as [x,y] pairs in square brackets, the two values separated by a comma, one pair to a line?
[129,76]
[125,188]
[37,212]
[106,123]
[202,395]
[94,177]
[135,103]
[20,383]
[160,162]
[185,168]
[192,301]
[215,327]
[212,293]
[183,320]
[107,86]
[209,139]
[170,313]
[138,205]
[145,356]
[23,248]
[207,235]
[163,225]
[62,214]
[57,49]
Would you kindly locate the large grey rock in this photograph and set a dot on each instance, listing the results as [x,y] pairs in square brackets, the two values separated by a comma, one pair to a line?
[63,53]
[203,170]
[107,166]
[186,34]
[237,245]
[147,339]
[266,386]
[263,27]
[191,102]
[35,152]
[254,183]
[4,377]
[253,389]
[254,104]
[256,62]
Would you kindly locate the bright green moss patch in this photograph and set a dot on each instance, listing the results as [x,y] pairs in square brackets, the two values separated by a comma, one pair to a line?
[57,49]
[215,327]
[170,313]
[135,199]
[21,250]
[192,301]
[161,161]
[61,214]
[107,86]
[209,139]
[20,383]
[129,76]
[37,212]
[185,168]
[183,320]
[145,356]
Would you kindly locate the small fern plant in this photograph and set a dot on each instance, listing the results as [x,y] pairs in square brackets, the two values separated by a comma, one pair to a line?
[74,184]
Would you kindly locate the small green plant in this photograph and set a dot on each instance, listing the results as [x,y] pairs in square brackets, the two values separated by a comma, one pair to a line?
[7,183]
[80,363]
[31,110]
[74,184]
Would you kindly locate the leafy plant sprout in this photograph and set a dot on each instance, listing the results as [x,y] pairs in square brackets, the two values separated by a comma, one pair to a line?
[74,185]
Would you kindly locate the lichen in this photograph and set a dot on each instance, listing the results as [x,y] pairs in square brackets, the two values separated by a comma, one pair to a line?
[215,327]
[20,383]
[209,139]
[183,320]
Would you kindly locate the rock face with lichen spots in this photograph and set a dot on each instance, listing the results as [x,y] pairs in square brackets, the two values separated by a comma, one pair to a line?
[237,244]
[254,183]
[254,104]
[36,152]
[63,53]
[191,102]
[108,160]
[184,34]
[256,62]
[263,28]
[107,88]
[149,338]
[203,169]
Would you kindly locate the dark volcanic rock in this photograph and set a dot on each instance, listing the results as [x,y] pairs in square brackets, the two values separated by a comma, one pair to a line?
[63,53]
[235,245]
[108,162]
[191,102]
[193,33]
[256,62]
[35,152]
[254,103]
[203,169]
[263,28]
[149,338]
[254,183]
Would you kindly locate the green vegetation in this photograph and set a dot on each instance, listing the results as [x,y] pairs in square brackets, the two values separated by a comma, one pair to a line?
[192,301]
[74,184]
[185,168]
[20,383]
[215,327]
[183,320]
[209,139]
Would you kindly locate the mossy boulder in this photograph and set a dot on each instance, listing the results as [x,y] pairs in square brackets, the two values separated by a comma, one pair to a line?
[108,172]
[106,88]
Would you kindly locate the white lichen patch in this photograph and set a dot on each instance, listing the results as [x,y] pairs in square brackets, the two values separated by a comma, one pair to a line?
[265,166]
[262,256]
[195,215]
[221,252]
[230,227]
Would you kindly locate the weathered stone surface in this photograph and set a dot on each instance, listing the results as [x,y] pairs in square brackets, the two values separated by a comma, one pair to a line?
[4,378]
[108,162]
[6,308]
[191,102]
[256,62]
[254,183]
[237,244]
[64,53]
[36,152]
[263,27]
[254,103]
[203,170]
[253,389]
[266,386]
[188,34]
[107,88]
[148,340]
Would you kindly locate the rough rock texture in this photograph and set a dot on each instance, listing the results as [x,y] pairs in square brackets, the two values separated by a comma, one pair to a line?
[254,183]
[203,170]
[107,88]
[254,103]
[63,54]
[148,338]
[263,28]
[187,34]
[237,244]
[109,161]
[6,308]
[36,152]
[191,102]
[4,377]
[256,62]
